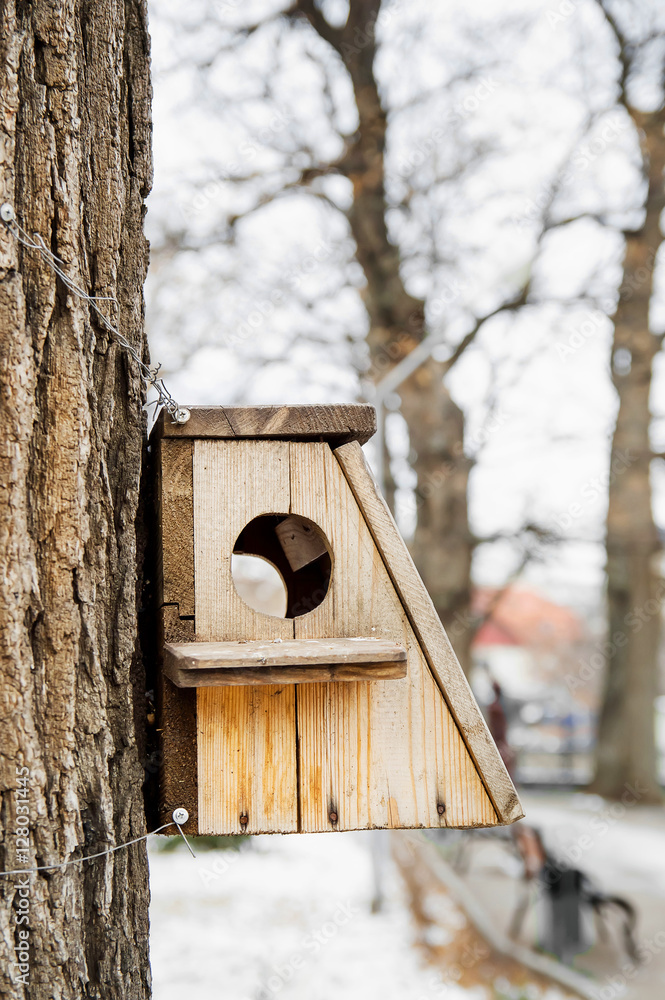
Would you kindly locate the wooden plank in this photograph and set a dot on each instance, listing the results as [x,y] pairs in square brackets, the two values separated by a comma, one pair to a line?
[372,754]
[336,423]
[176,711]
[176,519]
[246,735]
[427,626]
[241,676]
[197,656]
[247,761]
[300,541]
[234,482]
[212,664]
[174,596]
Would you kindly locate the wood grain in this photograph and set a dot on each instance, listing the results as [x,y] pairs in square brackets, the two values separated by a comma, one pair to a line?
[197,656]
[305,661]
[176,711]
[246,735]
[247,759]
[372,754]
[428,628]
[301,542]
[175,497]
[213,664]
[336,423]
[243,676]
[314,754]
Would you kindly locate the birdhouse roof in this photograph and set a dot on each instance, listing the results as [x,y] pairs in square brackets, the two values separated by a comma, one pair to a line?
[337,424]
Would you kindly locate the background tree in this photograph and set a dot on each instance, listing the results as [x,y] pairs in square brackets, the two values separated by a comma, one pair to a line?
[441,543]
[76,129]
[626,749]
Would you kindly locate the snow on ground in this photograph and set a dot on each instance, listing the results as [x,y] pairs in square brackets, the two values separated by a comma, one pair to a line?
[287,917]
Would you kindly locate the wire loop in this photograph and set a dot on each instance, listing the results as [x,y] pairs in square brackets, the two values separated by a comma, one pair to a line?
[179,414]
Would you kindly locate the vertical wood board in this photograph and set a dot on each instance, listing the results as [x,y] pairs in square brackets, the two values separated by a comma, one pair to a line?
[176,519]
[246,736]
[175,599]
[177,731]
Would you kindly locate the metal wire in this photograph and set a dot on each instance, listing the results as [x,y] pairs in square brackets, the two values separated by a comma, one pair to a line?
[179,414]
[100,854]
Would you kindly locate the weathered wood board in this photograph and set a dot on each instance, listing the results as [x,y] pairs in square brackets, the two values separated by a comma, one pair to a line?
[296,661]
[246,736]
[336,424]
[174,593]
[175,575]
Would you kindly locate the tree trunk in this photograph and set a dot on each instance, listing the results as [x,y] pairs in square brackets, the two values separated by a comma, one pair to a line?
[442,543]
[626,752]
[76,165]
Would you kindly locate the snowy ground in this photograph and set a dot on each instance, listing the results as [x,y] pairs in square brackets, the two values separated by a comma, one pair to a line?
[288,917]
[291,916]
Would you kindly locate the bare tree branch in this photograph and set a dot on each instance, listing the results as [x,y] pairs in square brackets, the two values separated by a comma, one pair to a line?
[323,28]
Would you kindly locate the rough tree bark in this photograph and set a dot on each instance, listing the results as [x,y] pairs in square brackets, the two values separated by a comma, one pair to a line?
[76,165]
[442,546]
[626,750]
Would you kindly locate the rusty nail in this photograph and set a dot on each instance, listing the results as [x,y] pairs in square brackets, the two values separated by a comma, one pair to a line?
[244,820]
[333,817]
[440,808]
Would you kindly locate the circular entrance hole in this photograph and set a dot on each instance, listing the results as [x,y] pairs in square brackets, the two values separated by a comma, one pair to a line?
[294,552]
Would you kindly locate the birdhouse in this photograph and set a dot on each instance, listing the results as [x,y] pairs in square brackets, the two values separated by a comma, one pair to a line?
[349,710]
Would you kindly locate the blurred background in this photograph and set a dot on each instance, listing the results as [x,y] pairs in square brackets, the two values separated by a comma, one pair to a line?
[452,211]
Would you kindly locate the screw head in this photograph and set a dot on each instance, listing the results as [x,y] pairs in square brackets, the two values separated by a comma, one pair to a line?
[181,415]
[333,817]
[7,212]
[180,816]
[441,809]
[244,820]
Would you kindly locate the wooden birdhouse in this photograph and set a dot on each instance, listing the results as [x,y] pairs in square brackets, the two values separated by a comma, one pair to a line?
[350,711]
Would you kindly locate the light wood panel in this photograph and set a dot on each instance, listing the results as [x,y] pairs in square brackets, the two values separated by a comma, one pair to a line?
[246,736]
[379,754]
[427,627]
